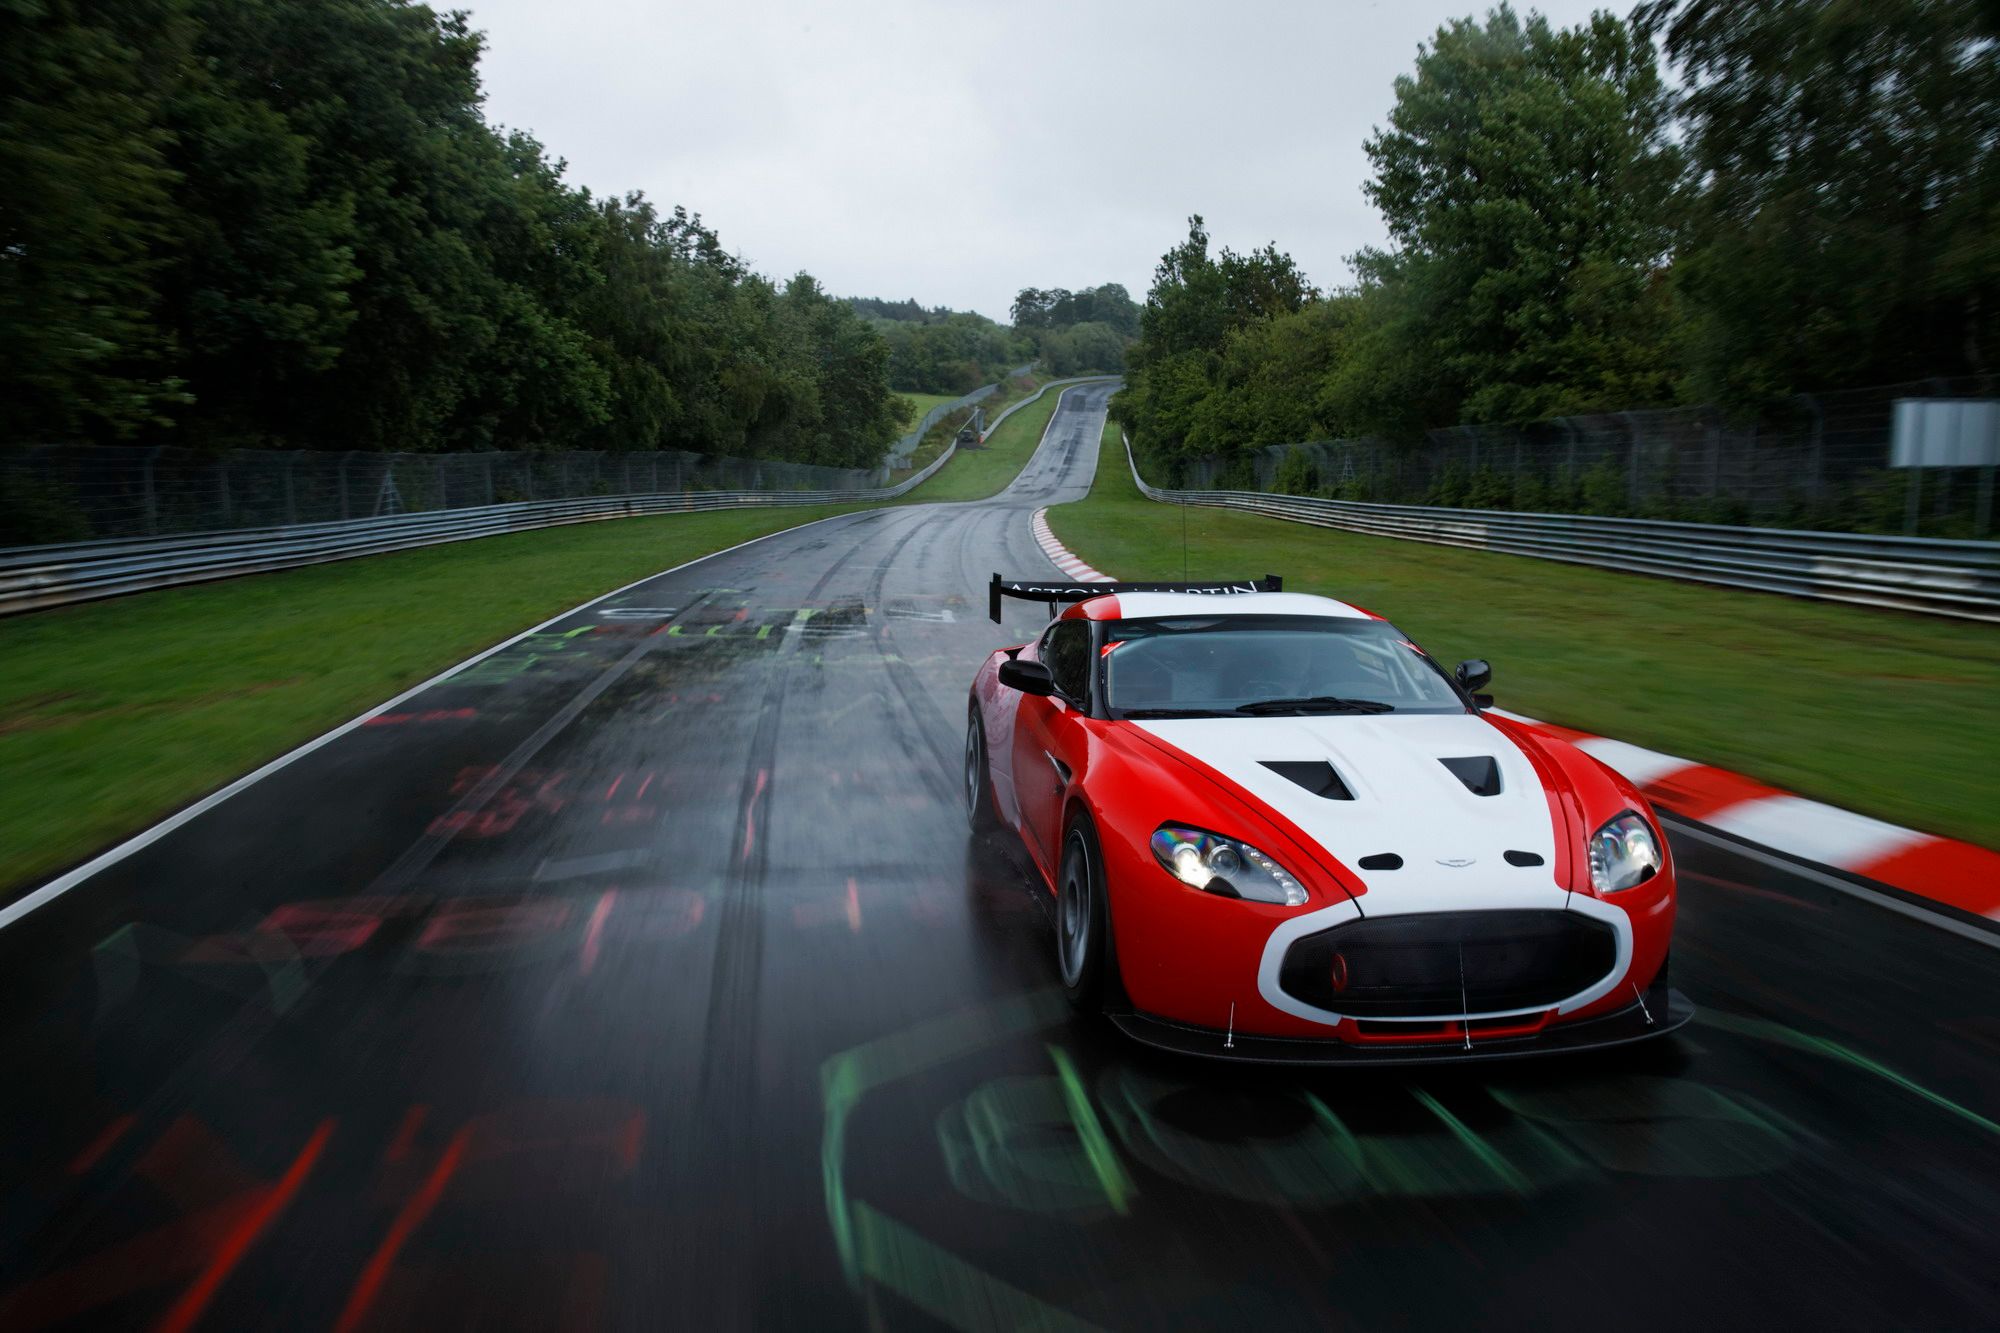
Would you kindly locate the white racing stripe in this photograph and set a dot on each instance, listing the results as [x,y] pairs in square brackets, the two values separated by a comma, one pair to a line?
[1405,802]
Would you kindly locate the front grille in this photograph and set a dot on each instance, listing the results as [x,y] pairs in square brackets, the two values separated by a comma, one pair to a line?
[1433,964]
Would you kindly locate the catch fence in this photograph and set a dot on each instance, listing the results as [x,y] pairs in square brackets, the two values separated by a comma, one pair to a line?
[83,493]
[1960,579]
[1819,462]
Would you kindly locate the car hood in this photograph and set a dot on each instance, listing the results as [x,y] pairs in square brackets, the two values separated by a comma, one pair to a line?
[1403,800]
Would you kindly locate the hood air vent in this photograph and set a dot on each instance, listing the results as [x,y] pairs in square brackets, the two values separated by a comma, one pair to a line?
[1523,858]
[1479,773]
[1315,775]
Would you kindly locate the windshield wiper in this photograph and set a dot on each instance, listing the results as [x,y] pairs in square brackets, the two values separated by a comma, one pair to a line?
[1170,712]
[1316,703]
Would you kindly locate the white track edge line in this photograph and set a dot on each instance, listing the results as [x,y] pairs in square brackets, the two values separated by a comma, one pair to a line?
[68,880]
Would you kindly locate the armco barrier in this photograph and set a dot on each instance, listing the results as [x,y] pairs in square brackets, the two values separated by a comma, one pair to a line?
[1921,574]
[33,578]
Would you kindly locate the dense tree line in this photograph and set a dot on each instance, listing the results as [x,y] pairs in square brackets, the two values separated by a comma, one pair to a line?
[286,223]
[1079,332]
[1814,204]
[938,350]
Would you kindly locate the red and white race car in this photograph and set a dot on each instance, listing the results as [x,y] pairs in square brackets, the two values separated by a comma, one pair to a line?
[1277,830]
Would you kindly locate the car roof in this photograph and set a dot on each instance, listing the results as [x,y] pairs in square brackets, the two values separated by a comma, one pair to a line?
[1150,605]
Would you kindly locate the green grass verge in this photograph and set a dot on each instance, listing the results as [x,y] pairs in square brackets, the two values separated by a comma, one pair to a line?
[1892,715]
[114,713]
[924,402]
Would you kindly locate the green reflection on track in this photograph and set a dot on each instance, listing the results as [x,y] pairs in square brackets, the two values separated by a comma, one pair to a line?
[1785,1036]
[1103,1158]
[847,1077]
[944,1285]
[1013,1142]
[1502,1169]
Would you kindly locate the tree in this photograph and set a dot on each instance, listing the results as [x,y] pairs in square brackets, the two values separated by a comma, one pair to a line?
[1528,182]
[85,215]
[1197,304]
[287,222]
[1848,222]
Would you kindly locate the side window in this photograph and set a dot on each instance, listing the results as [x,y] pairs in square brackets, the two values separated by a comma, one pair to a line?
[1067,652]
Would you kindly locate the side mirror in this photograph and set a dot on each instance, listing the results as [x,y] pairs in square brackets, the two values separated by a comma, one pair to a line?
[1027,677]
[1474,675]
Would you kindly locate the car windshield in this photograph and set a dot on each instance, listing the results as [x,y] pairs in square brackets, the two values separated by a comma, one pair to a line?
[1269,665]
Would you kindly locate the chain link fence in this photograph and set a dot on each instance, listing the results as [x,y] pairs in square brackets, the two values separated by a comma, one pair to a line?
[83,493]
[1820,463]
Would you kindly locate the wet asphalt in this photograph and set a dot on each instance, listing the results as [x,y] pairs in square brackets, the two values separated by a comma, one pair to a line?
[644,975]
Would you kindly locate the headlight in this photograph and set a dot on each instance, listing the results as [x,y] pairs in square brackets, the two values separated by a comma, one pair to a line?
[1220,865]
[1623,854]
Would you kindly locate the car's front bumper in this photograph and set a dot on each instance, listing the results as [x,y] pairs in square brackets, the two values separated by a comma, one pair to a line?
[1663,1010]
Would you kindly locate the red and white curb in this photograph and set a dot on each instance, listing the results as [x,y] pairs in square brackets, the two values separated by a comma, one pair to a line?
[1057,552]
[1943,870]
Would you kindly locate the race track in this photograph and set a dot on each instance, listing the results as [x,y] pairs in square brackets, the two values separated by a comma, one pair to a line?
[643,975]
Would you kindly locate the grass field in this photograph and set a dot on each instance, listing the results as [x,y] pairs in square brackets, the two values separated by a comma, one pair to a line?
[1893,715]
[115,713]
[924,402]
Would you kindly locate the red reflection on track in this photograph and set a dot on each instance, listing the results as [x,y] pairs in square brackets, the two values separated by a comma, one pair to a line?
[102,1144]
[529,793]
[430,715]
[244,1234]
[473,929]
[412,1216]
[327,930]
[593,934]
[406,1133]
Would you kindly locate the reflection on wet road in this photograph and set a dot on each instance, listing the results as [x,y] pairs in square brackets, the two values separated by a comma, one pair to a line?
[643,975]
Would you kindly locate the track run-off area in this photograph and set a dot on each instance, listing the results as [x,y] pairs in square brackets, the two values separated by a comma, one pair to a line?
[642,974]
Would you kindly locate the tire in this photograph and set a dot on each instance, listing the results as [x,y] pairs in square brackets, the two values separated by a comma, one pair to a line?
[1085,959]
[978,780]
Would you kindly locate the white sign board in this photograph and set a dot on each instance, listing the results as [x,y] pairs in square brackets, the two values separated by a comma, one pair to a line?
[1946,432]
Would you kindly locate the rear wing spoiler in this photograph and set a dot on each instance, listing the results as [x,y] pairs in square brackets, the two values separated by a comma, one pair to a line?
[1039,590]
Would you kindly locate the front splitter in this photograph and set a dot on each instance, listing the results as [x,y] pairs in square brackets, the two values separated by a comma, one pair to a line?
[1664,1011]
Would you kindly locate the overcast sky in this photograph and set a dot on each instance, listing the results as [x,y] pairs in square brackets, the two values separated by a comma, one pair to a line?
[957,152]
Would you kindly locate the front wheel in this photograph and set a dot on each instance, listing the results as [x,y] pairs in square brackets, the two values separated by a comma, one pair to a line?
[1083,920]
[978,781]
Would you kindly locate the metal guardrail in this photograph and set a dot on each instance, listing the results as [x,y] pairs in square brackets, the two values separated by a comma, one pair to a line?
[1926,575]
[33,578]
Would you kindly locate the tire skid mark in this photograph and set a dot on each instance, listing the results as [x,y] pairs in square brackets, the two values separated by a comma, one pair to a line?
[726,1099]
[730,1029]
[929,726]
